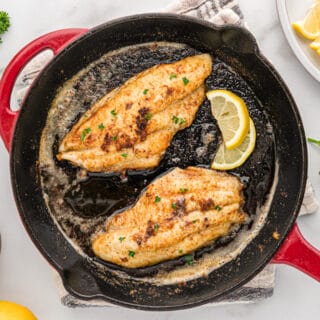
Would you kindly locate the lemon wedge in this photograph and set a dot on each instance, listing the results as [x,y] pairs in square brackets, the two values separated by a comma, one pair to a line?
[229,159]
[232,116]
[11,310]
[315,45]
[310,26]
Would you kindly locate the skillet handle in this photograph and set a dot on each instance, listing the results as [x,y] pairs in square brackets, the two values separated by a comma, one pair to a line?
[298,253]
[55,41]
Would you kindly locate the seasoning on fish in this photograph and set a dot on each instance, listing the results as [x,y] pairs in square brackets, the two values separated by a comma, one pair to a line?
[139,118]
[158,230]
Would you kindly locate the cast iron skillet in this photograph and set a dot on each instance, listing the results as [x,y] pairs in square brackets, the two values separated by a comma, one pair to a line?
[21,135]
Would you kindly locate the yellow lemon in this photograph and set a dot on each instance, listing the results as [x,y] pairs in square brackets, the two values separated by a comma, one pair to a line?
[232,116]
[14,311]
[315,45]
[310,26]
[229,159]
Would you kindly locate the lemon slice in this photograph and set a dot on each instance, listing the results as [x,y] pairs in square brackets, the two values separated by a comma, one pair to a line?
[229,159]
[232,116]
[315,45]
[11,310]
[317,51]
[310,26]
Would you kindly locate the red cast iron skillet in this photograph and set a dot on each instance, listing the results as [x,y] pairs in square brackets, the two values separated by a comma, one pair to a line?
[74,49]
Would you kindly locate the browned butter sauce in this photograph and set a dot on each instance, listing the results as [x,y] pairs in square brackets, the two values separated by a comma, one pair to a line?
[81,202]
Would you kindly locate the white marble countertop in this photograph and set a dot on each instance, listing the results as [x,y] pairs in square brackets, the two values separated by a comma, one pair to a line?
[26,277]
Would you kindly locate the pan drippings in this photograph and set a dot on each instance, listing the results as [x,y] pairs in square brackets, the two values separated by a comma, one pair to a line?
[80,202]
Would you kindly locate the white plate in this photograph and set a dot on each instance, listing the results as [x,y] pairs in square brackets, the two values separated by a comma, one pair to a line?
[290,11]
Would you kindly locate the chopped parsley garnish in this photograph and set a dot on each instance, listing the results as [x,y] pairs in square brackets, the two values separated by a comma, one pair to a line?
[183,190]
[124,155]
[157,199]
[195,221]
[84,133]
[188,259]
[218,208]
[121,239]
[148,116]
[180,251]
[317,142]
[181,121]
[145,91]
[113,112]
[131,253]
[172,75]
[101,126]
[177,120]
[4,23]
[156,227]
[173,205]
[185,81]
[114,138]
